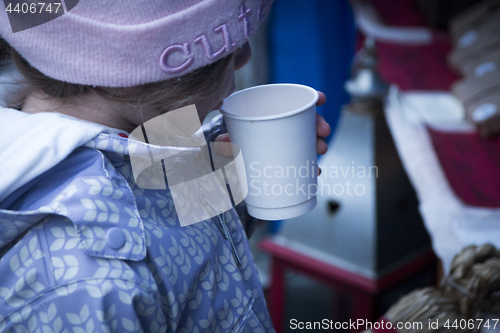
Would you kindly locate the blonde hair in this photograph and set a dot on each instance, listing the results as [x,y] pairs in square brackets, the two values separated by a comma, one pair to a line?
[163,95]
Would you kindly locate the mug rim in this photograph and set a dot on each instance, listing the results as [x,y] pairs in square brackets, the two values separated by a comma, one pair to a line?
[276,116]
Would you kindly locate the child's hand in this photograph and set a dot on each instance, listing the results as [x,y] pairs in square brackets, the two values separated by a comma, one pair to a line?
[322,130]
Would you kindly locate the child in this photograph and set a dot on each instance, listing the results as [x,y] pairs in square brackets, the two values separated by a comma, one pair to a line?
[82,247]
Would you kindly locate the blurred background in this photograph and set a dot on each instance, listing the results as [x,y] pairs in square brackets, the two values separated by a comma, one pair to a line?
[409,196]
[396,77]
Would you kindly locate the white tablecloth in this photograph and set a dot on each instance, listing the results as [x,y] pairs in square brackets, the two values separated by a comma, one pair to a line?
[451,224]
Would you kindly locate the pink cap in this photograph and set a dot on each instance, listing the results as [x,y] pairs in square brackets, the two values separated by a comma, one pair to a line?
[123,43]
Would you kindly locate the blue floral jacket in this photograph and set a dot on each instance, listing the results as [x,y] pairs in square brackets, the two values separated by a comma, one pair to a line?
[84,249]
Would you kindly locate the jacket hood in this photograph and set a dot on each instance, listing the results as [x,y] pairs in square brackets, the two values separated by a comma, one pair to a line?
[39,150]
[32,144]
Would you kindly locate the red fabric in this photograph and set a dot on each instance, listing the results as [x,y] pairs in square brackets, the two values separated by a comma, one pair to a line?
[402,13]
[421,67]
[471,165]
[383,326]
